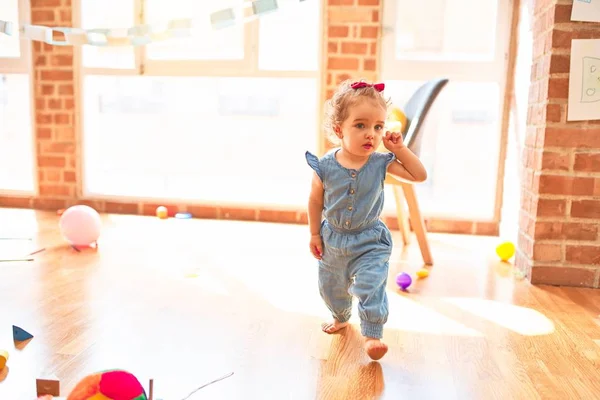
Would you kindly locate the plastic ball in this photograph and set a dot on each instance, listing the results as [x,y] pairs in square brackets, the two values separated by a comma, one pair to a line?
[423,273]
[80,225]
[397,120]
[162,212]
[505,250]
[109,385]
[403,280]
[3,359]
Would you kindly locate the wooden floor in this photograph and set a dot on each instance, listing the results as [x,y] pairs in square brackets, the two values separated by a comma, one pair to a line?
[188,301]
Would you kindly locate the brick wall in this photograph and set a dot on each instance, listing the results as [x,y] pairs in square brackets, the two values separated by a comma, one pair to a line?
[559,240]
[351,50]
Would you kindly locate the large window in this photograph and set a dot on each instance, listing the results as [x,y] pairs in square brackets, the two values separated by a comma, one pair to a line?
[17,152]
[465,41]
[221,116]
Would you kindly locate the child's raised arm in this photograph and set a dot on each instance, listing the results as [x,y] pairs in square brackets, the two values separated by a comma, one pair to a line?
[408,167]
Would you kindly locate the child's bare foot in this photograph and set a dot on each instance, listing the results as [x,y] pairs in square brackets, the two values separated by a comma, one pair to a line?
[334,326]
[375,348]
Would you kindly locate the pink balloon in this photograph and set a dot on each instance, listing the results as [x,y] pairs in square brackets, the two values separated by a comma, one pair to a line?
[80,225]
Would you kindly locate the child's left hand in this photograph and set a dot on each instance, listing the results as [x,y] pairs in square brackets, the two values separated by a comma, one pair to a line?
[393,141]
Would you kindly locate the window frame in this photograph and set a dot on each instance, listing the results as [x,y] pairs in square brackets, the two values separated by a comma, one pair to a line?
[24,65]
[466,70]
[247,67]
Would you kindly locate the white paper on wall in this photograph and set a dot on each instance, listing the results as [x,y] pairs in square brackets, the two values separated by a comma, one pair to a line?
[584,80]
[586,10]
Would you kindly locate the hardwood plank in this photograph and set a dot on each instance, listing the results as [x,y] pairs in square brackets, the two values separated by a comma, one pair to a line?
[187,301]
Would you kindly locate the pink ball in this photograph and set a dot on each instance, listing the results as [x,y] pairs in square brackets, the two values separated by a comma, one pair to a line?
[80,225]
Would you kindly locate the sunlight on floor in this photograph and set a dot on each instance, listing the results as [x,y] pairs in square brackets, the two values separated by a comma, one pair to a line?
[521,320]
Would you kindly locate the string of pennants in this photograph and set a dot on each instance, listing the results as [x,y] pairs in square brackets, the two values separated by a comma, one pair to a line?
[141,35]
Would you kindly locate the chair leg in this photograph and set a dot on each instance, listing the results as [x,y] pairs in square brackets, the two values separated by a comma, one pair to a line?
[417,222]
[402,215]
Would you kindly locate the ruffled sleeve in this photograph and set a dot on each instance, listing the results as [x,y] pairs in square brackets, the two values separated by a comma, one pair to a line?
[313,162]
[389,158]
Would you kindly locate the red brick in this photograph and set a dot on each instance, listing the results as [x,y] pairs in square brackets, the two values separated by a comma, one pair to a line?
[39,61]
[562,13]
[558,88]
[588,255]
[43,132]
[553,113]
[338,31]
[562,39]
[587,162]
[16,202]
[57,75]
[555,161]
[54,190]
[53,175]
[368,2]
[370,32]
[585,209]
[59,147]
[204,212]
[560,63]
[341,78]
[45,3]
[354,48]
[348,63]
[61,59]
[121,208]
[66,89]
[47,89]
[288,217]
[566,230]
[62,119]
[340,2]
[566,185]
[244,214]
[49,204]
[551,208]
[50,161]
[66,16]
[370,64]
[69,176]
[547,252]
[332,47]
[54,104]
[375,16]
[41,17]
[41,118]
[563,276]
[572,137]
[69,104]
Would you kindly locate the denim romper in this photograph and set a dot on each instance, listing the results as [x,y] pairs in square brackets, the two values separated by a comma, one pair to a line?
[356,244]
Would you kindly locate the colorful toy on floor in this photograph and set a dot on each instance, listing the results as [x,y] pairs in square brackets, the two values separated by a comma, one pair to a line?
[80,225]
[109,385]
[505,251]
[162,212]
[20,334]
[3,359]
[422,273]
[403,280]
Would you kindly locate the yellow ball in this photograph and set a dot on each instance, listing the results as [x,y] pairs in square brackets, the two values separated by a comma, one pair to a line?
[3,359]
[397,120]
[423,273]
[505,250]
[162,212]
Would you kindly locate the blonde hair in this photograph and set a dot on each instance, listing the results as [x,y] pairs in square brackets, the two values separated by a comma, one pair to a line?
[336,108]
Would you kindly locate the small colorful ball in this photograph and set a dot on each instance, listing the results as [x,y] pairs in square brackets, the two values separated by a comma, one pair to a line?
[162,212]
[423,273]
[3,359]
[109,385]
[403,280]
[505,251]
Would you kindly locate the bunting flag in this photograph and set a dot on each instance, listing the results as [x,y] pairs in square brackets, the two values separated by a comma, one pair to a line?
[141,35]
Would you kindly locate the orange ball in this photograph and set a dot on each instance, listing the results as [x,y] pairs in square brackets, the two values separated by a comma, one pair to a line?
[162,212]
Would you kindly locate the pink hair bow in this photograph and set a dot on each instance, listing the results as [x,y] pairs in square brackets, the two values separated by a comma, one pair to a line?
[359,85]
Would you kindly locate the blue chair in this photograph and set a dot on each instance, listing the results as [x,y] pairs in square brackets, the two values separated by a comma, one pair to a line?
[416,110]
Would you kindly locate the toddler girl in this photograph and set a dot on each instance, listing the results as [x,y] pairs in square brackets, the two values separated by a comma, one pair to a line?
[352,244]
